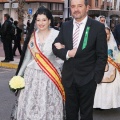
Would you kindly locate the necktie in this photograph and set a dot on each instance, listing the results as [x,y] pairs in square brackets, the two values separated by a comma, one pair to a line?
[76,35]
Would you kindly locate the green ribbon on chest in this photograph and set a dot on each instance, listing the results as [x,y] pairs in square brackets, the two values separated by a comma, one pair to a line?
[85,38]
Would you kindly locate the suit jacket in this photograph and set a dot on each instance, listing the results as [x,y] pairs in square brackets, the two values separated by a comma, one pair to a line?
[88,63]
[116,34]
[6,29]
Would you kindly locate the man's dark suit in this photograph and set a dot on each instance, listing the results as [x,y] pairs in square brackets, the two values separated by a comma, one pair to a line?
[116,34]
[87,67]
[7,40]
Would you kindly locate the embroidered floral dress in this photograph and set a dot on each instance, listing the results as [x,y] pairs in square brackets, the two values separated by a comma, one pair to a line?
[41,99]
[108,94]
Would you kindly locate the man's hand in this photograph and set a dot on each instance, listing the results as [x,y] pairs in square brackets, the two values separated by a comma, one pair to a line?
[59,45]
[71,53]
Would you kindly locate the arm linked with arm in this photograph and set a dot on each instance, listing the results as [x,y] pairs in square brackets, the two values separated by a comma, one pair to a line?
[61,53]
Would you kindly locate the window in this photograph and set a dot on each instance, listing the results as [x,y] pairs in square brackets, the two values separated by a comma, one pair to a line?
[96,3]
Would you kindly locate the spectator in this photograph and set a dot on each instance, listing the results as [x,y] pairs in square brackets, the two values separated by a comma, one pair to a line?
[102,19]
[61,21]
[17,43]
[0,24]
[67,19]
[28,25]
[116,34]
[57,25]
[7,38]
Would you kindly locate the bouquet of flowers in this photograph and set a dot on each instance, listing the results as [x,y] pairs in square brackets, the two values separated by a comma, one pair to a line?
[17,83]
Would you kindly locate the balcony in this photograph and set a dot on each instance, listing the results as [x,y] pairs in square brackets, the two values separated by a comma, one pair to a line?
[50,1]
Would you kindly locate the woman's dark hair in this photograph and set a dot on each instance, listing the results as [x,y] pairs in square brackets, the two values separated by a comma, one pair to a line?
[41,10]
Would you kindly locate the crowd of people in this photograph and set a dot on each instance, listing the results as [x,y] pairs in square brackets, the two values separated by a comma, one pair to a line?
[10,32]
[107,94]
[88,76]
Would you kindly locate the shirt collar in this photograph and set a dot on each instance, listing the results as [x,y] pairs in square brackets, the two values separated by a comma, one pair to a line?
[82,22]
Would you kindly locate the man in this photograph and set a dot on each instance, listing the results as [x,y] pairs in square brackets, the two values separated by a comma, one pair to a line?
[6,37]
[116,34]
[83,48]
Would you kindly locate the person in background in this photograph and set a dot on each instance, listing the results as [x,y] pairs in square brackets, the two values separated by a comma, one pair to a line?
[67,19]
[116,34]
[102,19]
[6,37]
[84,51]
[0,31]
[28,25]
[43,95]
[56,25]
[0,25]
[107,94]
[17,41]
[61,21]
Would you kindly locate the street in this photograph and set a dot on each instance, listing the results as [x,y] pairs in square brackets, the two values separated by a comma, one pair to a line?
[7,99]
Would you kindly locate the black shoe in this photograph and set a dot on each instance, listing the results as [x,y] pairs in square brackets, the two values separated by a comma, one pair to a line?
[5,61]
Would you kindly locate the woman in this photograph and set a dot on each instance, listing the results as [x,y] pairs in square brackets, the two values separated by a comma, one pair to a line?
[107,94]
[43,95]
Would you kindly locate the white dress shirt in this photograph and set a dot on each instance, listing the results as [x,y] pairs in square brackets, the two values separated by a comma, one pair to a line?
[82,27]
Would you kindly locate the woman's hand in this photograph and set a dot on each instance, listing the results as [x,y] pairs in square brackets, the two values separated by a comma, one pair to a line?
[59,45]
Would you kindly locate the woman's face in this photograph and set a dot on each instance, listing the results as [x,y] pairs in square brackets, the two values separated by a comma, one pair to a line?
[108,34]
[42,22]
[102,20]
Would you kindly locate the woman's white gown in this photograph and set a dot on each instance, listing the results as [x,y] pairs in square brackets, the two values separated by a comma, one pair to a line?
[41,99]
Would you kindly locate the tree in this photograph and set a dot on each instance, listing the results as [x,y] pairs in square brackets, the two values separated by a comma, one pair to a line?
[21,12]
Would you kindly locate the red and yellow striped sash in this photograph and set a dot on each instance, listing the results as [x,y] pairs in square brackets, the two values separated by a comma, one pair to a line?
[46,65]
[113,63]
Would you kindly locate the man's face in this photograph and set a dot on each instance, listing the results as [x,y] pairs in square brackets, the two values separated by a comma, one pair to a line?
[78,9]
[5,18]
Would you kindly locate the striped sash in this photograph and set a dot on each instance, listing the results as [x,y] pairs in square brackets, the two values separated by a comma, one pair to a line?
[113,63]
[46,65]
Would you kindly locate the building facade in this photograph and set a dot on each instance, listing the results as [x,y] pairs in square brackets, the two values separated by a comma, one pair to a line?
[30,7]
[96,4]
[60,8]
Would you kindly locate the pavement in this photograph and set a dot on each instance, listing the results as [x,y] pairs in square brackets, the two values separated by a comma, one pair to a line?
[11,64]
